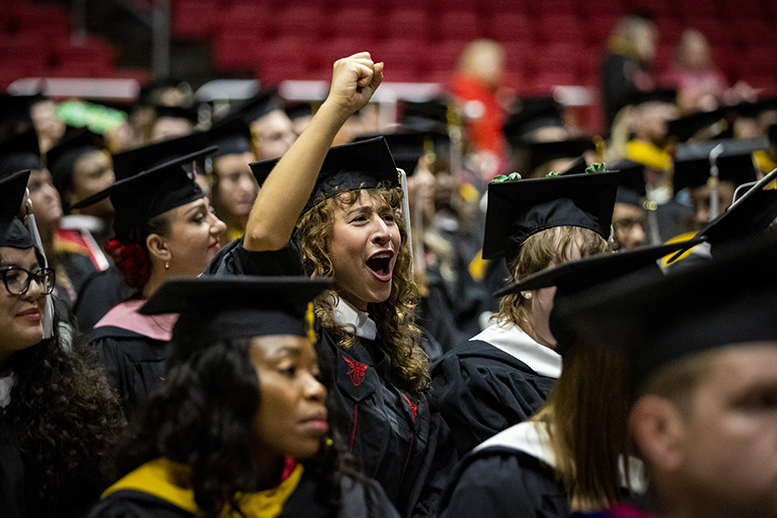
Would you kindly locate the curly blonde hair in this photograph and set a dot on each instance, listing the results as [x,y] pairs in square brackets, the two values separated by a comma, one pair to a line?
[553,245]
[397,334]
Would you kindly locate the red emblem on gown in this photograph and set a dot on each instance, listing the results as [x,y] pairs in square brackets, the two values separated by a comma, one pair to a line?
[413,407]
[356,371]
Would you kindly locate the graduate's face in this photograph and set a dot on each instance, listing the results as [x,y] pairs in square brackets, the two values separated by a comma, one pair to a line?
[274,135]
[700,201]
[729,437]
[45,199]
[237,187]
[292,416]
[364,247]
[628,226]
[193,239]
[21,316]
[92,173]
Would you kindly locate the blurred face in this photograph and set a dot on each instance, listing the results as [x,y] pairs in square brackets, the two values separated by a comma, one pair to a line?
[730,437]
[695,51]
[292,417]
[20,315]
[45,198]
[628,224]
[237,187]
[652,119]
[169,127]
[274,135]
[364,246]
[193,239]
[645,40]
[46,121]
[700,201]
[92,173]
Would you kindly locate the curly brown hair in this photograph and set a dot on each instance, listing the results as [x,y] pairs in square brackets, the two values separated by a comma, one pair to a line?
[553,245]
[397,334]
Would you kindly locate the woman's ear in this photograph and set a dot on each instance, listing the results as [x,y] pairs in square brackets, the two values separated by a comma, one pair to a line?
[157,247]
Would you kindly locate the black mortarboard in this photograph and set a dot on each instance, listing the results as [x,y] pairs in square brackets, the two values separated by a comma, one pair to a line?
[232,136]
[518,209]
[657,322]
[750,110]
[576,276]
[177,112]
[131,162]
[735,163]
[535,113]
[257,106]
[141,197]
[540,153]
[659,95]
[578,167]
[688,126]
[361,165]
[299,110]
[219,308]
[13,233]
[407,146]
[19,153]
[61,158]
[426,116]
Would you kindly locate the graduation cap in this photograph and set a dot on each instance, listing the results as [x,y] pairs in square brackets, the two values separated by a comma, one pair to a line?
[631,183]
[131,162]
[576,276]
[19,153]
[426,116]
[61,159]
[519,209]
[361,165]
[13,233]
[714,122]
[257,106]
[299,110]
[141,197]
[657,322]
[232,136]
[751,110]
[407,146]
[15,110]
[177,112]
[217,308]
[658,95]
[535,113]
[734,161]
[540,153]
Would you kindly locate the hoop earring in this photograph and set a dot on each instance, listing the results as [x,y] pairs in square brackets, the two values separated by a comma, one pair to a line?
[527,295]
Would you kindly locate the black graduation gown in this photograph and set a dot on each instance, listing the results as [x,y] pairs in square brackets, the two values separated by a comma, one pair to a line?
[11,472]
[363,499]
[398,436]
[483,390]
[503,482]
[134,363]
[99,294]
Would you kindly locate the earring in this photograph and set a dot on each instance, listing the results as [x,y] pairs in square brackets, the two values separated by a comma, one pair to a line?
[167,266]
[527,295]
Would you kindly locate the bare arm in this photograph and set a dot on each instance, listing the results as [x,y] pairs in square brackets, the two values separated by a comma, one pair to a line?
[287,188]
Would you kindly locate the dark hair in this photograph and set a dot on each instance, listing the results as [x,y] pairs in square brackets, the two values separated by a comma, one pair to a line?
[66,421]
[131,255]
[202,417]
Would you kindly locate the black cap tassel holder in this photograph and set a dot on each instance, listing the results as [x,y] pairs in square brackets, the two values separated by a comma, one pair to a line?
[32,227]
[713,180]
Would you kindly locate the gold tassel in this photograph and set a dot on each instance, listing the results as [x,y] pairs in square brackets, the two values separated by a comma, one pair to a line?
[310,319]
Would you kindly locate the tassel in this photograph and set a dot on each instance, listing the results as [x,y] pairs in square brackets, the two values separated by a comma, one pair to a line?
[32,227]
[310,320]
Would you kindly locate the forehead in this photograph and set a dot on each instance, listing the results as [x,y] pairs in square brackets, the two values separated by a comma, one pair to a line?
[364,198]
[739,366]
[16,256]
[265,349]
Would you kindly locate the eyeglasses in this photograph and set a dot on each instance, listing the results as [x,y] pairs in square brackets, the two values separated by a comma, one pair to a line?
[17,280]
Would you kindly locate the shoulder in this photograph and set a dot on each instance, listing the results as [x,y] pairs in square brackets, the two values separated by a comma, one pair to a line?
[235,259]
[136,504]
[365,497]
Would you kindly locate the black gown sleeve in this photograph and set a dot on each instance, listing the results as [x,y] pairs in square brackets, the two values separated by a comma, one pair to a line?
[505,484]
[481,396]
[135,504]
[233,259]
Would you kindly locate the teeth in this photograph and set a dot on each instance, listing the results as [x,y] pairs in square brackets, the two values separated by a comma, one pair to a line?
[382,256]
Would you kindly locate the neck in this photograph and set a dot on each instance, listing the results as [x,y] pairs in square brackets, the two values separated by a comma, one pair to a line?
[269,468]
[158,277]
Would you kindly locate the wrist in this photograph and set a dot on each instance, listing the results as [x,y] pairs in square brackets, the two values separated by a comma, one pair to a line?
[335,111]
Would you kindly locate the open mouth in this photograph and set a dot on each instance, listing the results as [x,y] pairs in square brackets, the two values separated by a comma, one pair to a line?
[380,264]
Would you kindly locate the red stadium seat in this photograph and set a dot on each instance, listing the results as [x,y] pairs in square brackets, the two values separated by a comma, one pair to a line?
[556,28]
[193,19]
[300,21]
[459,25]
[30,47]
[353,23]
[405,23]
[510,27]
[93,52]
[403,59]
[716,31]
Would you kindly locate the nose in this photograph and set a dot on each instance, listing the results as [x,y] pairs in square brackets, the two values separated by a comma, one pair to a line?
[638,234]
[34,291]
[381,233]
[217,226]
[314,389]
